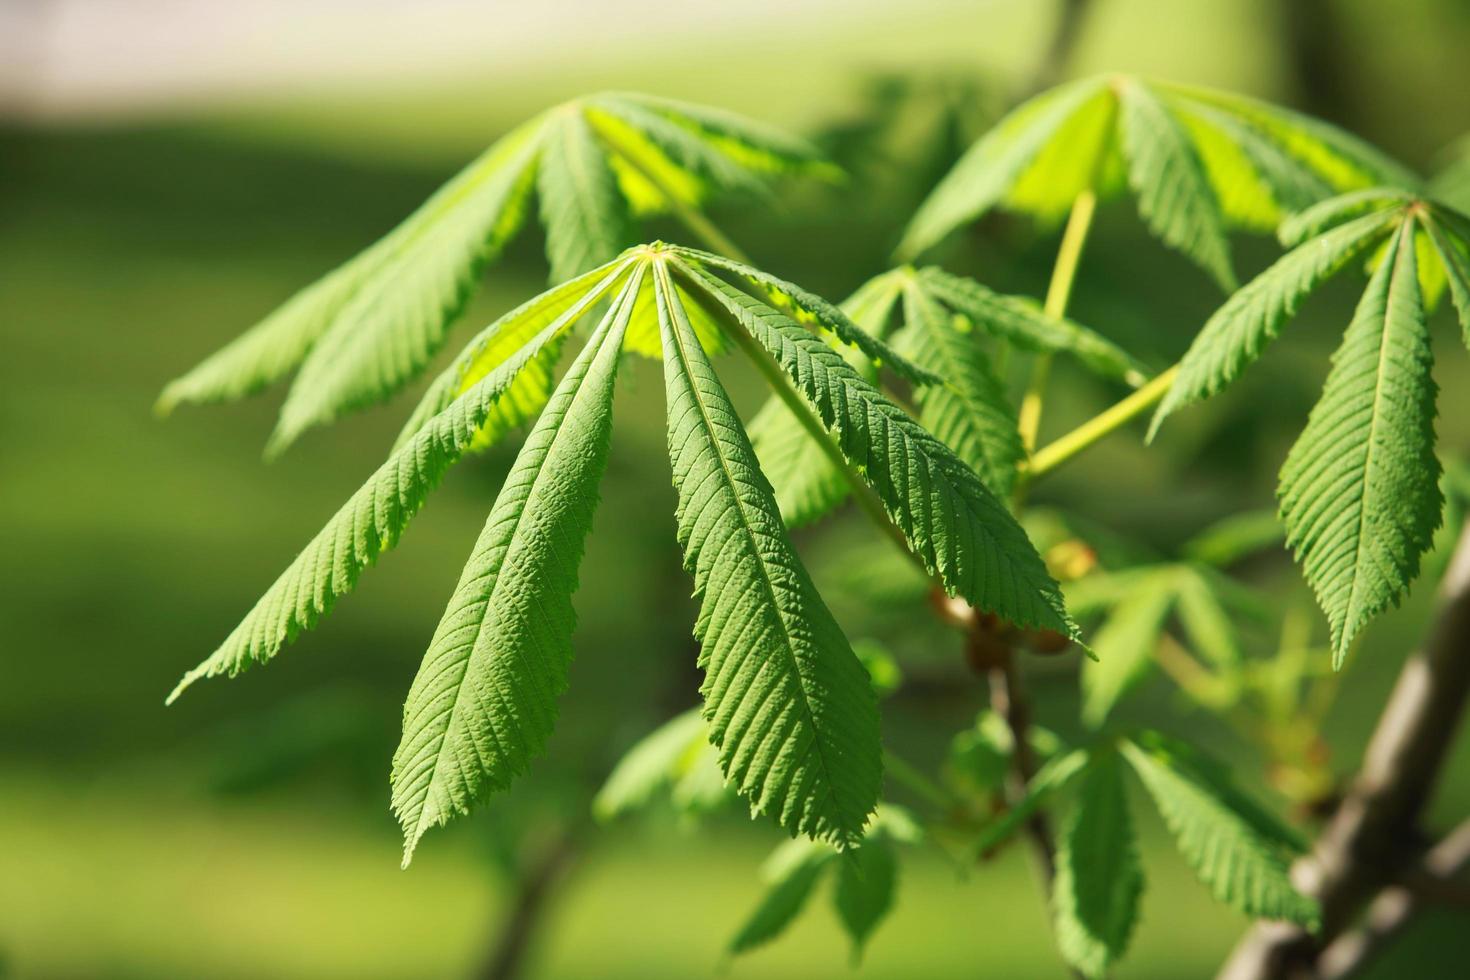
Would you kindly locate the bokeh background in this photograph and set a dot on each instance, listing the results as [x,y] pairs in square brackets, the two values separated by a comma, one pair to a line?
[172,170]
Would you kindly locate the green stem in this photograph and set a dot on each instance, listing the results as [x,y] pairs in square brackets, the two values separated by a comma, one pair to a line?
[1058,294]
[1099,426]
[909,775]
[691,217]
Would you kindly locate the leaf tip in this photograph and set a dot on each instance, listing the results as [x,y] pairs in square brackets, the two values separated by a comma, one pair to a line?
[166,402]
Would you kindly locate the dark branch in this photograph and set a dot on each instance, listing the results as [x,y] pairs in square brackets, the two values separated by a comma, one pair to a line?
[534,887]
[1438,878]
[1371,840]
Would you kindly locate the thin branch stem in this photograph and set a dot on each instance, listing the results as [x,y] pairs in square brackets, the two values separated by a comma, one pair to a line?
[1444,866]
[1100,426]
[1058,294]
[533,889]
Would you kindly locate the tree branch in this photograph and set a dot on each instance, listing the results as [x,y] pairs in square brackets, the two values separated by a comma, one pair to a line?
[1443,868]
[1008,699]
[1066,31]
[507,958]
[1369,842]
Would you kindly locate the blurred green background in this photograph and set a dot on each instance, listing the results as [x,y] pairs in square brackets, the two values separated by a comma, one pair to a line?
[245,832]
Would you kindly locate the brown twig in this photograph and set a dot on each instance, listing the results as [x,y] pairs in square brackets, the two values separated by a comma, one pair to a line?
[1008,699]
[1372,838]
[534,886]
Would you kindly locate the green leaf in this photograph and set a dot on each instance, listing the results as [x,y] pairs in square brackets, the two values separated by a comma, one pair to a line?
[791,874]
[1341,159]
[1197,160]
[1237,333]
[798,303]
[1240,866]
[809,484]
[1206,624]
[366,329]
[1125,647]
[367,525]
[1184,757]
[865,887]
[747,141]
[971,414]
[484,701]
[1451,184]
[669,149]
[1334,211]
[1174,193]
[387,333]
[1360,489]
[961,531]
[1236,537]
[1456,264]
[991,167]
[980,756]
[789,705]
[1050,779]
[586,218]
[701,787]
[401,294]
[882,667]
[1099,877]
[1019,320]
[1083,154]
[651,766]
[1254,180]
[562,306]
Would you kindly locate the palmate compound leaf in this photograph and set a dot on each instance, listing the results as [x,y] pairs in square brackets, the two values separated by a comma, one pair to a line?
[484,701]
[959,529]
[1231,851]
[788,703]
[1200,162]
[377,514]
[367,328]
[1360,491]
[1099,877]
[797,732]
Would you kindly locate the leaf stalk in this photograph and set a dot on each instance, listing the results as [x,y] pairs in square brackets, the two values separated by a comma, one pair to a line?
[1100,426]
[1058,295]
